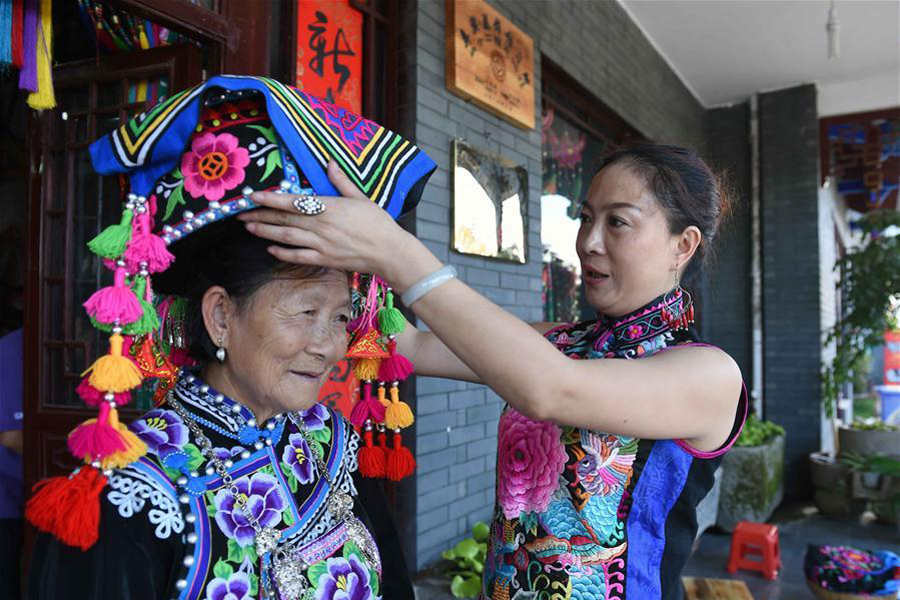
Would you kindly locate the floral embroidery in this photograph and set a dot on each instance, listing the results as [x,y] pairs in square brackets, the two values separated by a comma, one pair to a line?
[529,463]
[315,417]
[162,430]
[236,587]
[264,501]
[214,164]
[298,456]
[344,579]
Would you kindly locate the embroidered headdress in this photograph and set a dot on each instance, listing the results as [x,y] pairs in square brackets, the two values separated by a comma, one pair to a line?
[193,160]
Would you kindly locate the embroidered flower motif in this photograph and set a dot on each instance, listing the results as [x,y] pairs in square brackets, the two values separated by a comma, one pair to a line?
[236,587]
[162,430]
[634,331]
[529,462]
[344,579]
[315,417]
[264,501]
[214,164]
[224,454]
[299,457]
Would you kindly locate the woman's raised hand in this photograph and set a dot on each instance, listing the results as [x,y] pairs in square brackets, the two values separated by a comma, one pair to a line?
[352,234]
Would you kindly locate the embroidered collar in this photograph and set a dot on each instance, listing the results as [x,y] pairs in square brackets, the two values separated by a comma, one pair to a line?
[217,412]
[620,334]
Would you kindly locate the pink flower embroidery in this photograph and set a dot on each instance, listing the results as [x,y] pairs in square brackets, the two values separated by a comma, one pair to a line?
[214,164]
[529,463]
[634,331]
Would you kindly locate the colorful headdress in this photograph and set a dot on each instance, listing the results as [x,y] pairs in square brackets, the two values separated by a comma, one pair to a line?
[193,160]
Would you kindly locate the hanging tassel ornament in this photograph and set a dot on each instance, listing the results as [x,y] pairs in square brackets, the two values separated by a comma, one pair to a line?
[114,372]
[69,507]
[366,369]
[371,459]
[401,463]
[396,367]
[116,303]
[93,397]
[96,438]
[112,241]
[146,252]
[398,414]
[367,408]
[390,320]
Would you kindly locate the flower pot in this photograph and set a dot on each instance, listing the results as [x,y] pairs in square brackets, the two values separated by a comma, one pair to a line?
[867,442]
[831,480]
[752,483]
[826,472]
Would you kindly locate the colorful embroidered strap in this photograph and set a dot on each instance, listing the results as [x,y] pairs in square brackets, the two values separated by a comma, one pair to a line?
[390,170]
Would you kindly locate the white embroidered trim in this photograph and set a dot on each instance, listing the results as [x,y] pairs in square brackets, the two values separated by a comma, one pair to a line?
[130,488]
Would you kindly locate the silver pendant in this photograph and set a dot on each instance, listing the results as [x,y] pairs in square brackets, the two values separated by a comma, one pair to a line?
[340,505]
[360,536]
[290,579]
[266,540]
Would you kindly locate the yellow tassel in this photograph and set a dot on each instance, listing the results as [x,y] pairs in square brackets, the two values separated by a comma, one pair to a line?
[398,414]
[381,397]
[367,369]
[43,97]
[134,447]
[114,372]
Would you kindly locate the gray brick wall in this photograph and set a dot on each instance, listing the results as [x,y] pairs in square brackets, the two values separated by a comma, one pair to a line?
[457,423]
[789,141]
[727,320]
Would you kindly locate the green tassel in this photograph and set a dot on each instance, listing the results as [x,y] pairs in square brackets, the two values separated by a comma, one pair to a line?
[110,243]
[390,319]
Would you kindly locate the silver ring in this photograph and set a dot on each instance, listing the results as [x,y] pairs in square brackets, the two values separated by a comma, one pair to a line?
[308,204]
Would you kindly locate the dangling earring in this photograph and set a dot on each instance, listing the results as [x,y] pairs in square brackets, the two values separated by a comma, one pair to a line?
[679,314]
[220,353]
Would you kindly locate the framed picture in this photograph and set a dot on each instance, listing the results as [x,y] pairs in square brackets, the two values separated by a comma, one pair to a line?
[489,205]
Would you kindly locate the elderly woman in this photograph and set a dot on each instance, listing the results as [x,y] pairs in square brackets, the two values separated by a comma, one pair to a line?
[247,487]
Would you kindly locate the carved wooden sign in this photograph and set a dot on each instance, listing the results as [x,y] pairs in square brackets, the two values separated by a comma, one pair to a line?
[490,61]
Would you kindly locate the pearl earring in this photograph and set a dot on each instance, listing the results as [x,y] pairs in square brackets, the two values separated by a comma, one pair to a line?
[220,353]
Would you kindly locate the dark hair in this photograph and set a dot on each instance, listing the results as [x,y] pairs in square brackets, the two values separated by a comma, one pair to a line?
[683,184]
[223,254]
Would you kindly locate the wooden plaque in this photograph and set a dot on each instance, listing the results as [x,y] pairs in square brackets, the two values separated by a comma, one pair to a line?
[490,61]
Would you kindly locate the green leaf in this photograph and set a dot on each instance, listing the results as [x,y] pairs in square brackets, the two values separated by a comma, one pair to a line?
[468,548]
[481,531]
[318,446]
[250,553]
[273,160]
[467,587]
[173,474]
[449,554]
[267,132]
[235,552]
[323,435]
[176,197]
[195,459]
[254,584]
[288,517]
[291,479]
[315,572]
[223,569]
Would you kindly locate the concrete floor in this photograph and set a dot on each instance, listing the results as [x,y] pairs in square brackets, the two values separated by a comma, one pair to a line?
[798,526]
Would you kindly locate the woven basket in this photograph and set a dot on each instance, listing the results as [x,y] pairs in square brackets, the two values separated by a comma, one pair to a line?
[824,594]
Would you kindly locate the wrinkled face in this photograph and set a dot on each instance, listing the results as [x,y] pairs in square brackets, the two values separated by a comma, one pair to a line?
[286,339]
[627,254]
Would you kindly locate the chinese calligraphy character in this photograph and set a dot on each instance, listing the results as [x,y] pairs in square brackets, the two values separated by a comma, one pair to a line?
[318,44]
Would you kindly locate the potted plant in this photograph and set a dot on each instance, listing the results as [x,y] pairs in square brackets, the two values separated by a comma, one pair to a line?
[752,474]
[869,437]
[459,574]
[876,478]
[832,483]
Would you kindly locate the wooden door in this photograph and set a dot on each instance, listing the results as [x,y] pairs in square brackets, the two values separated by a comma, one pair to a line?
[68,205]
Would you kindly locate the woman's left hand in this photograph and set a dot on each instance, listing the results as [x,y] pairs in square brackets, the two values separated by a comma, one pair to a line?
[353,234]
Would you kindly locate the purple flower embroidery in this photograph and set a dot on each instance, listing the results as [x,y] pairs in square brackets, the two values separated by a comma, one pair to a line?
[265,502]
[315,417]
[344,579]
[162,430]
[236,587]
[299,457]
[224,454]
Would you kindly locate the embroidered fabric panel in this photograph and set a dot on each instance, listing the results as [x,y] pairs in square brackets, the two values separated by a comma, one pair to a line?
[565,495]
[132,488]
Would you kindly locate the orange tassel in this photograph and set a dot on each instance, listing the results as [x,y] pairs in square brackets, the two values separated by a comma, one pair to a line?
[401,462]
[366,369]
[114,372]
[398,414]
[68,507]
[381,395]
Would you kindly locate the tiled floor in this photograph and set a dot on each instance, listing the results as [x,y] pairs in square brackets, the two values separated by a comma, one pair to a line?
[797,526]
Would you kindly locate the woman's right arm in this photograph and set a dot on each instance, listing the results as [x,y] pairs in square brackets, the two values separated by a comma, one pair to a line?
[432,358]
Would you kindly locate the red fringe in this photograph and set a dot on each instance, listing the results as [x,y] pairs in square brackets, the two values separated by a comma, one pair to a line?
[68,507]
[371,459]
[18,24]
[401,462]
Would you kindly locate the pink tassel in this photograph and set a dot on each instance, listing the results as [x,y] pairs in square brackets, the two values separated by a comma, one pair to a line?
[181,357]
[96,437]
[395,368]
[115,304]
[367,408]
[93,397]
[145,247]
